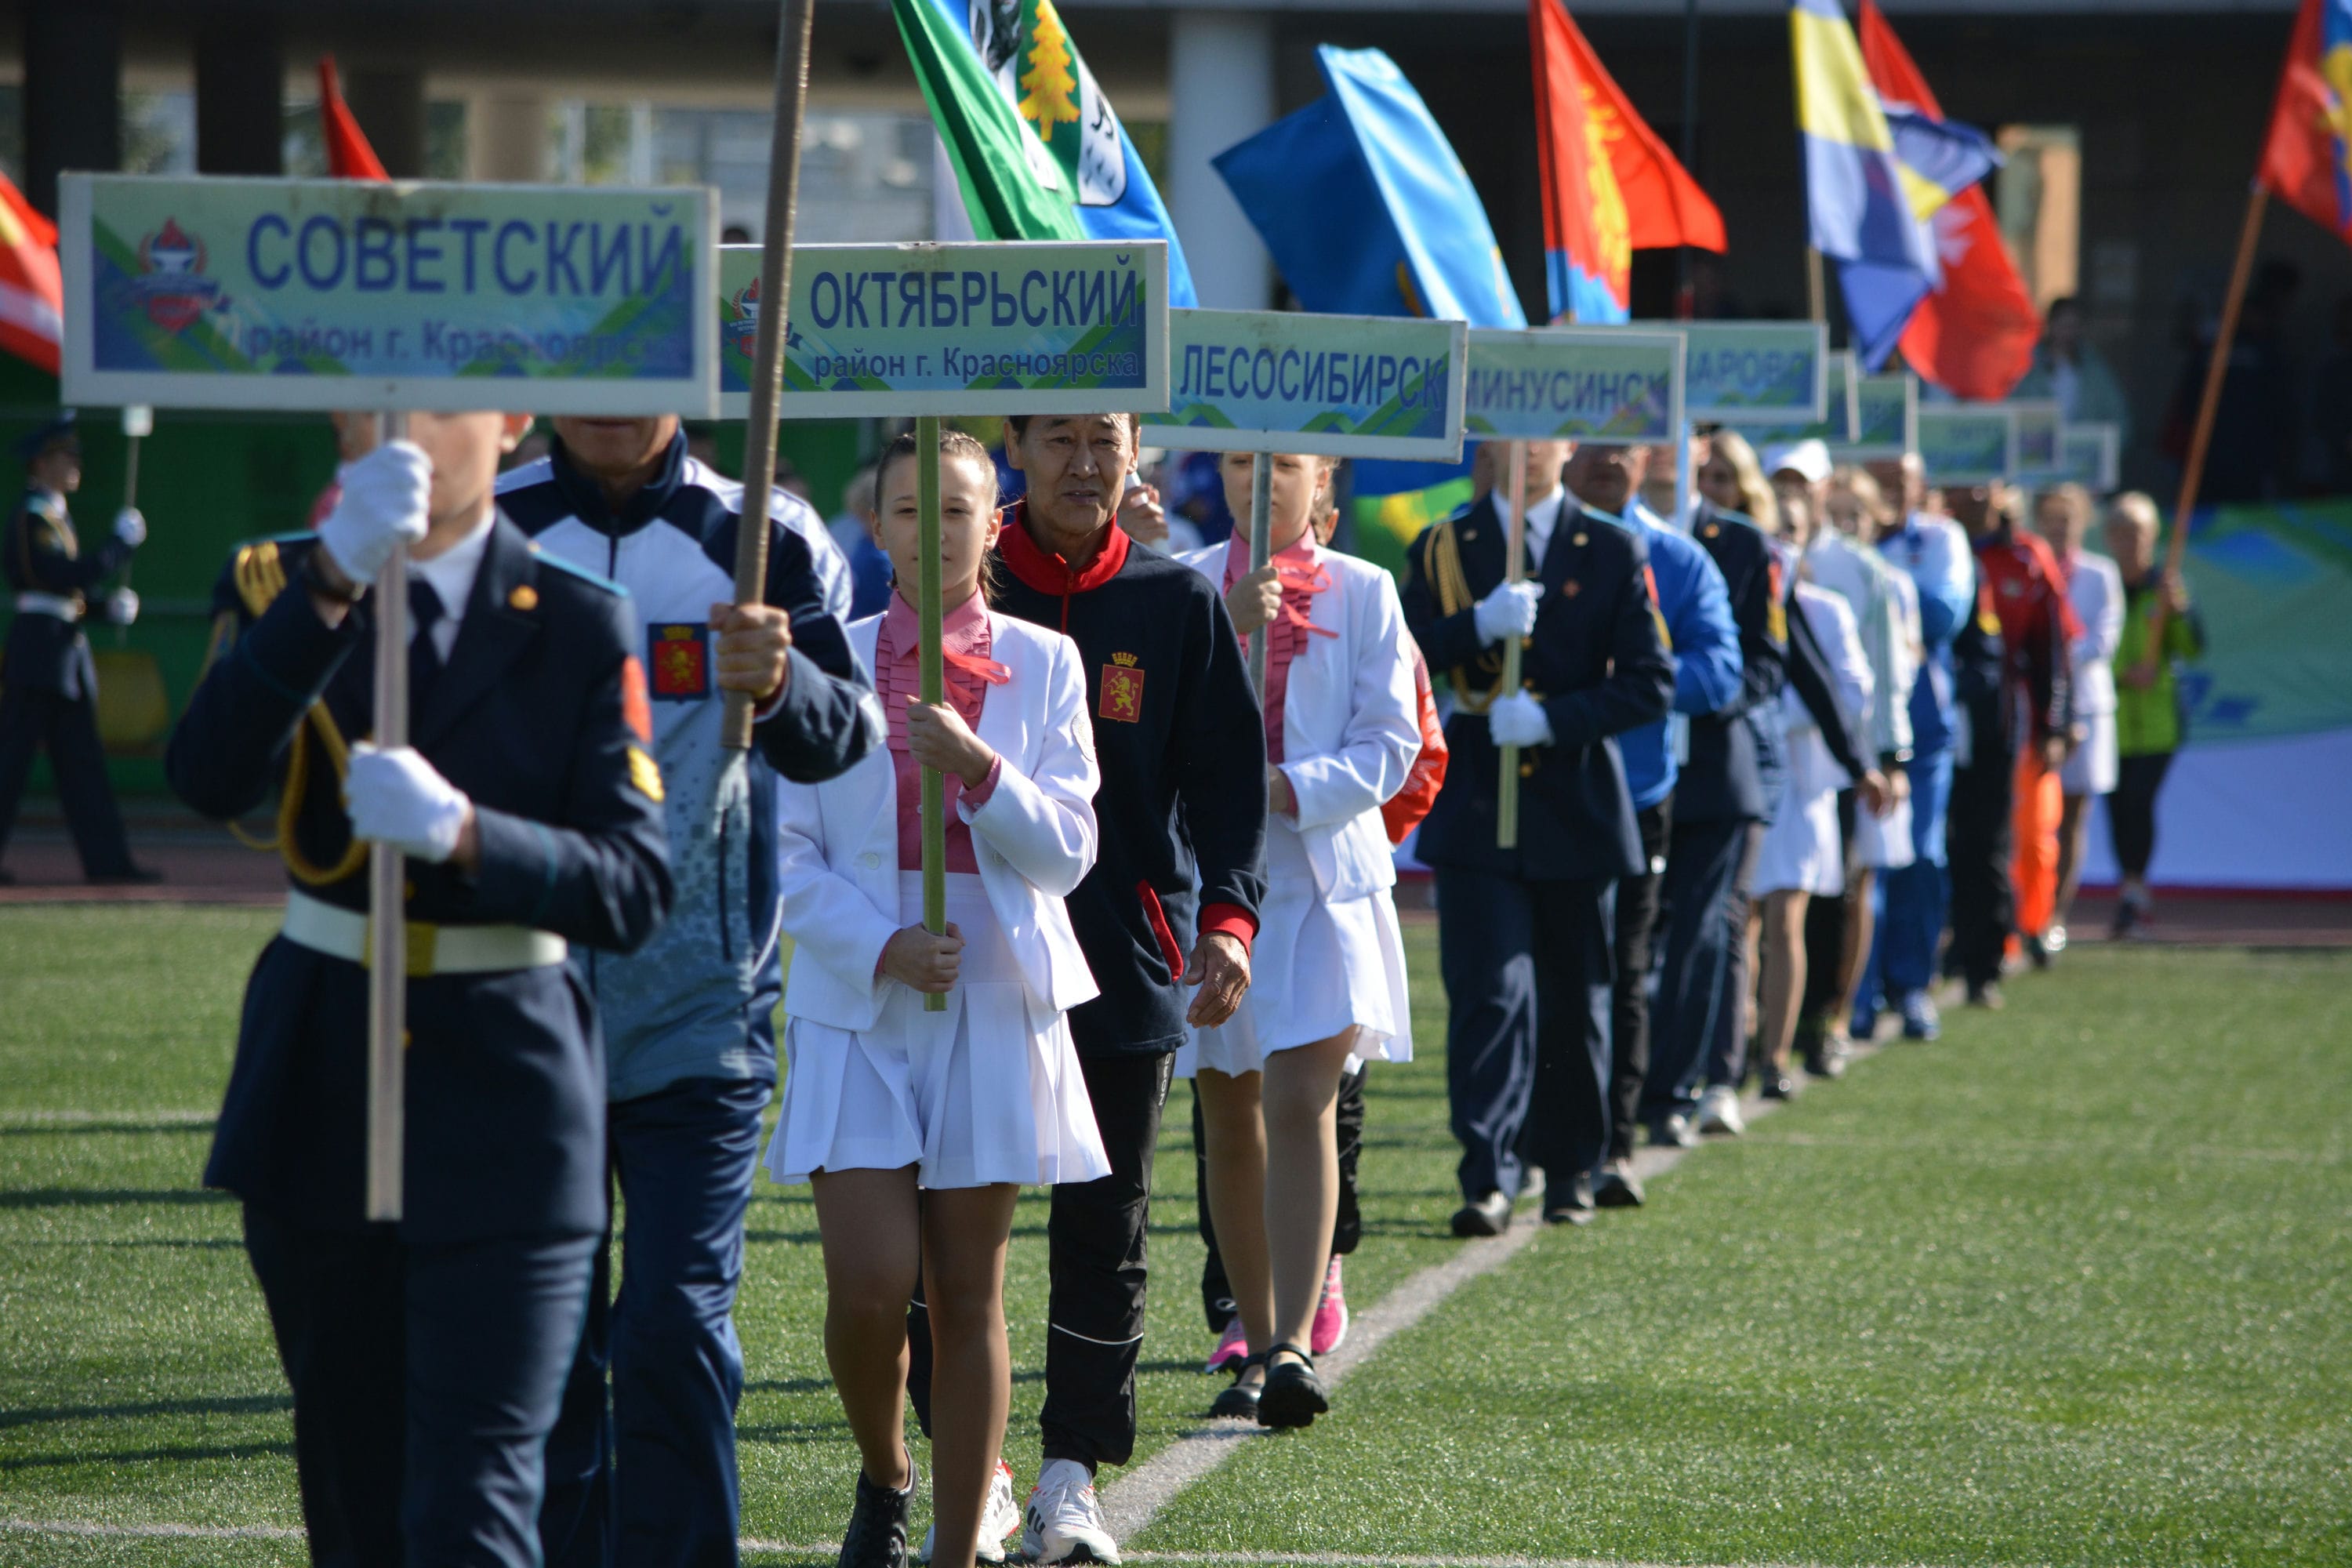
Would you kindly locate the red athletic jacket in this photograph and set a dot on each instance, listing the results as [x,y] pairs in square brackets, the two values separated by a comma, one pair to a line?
[1402,812]
[2038,626]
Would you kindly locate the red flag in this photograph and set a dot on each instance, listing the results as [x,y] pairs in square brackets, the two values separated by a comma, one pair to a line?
[1974,335]
[349,156]
[2304,161]
[32,293]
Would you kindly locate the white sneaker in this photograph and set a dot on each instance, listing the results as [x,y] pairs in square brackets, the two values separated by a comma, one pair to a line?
[1718,1111]
[999,1518]
[1064,1520]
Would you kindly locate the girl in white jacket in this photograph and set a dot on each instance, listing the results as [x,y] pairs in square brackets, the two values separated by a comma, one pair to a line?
[1342,730]
[916,1128]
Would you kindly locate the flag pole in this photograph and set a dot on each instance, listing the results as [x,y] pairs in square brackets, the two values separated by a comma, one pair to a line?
[1515,532]
[387,895]
[931,669]
[768,338]
[1816,287]
[2217,370]
[1685,293]
[1261,552]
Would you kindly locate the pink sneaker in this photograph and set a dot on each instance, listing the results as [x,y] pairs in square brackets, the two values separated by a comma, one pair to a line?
[1232,1349]
[1330,1313]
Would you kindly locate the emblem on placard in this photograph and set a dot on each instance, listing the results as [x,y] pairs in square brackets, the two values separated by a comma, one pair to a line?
[742,322]
[171,282]
[1122,690]
[681,660]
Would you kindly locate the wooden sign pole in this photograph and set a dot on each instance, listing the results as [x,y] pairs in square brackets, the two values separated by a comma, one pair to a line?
[1261,552]
[768,338]
[931,669]
[387,896]
[1507,792]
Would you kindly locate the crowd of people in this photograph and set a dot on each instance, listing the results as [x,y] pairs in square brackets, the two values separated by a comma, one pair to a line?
[1776,761]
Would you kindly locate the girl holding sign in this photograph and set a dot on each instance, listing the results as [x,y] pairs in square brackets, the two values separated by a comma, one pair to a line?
[1342,730]
[916,1128]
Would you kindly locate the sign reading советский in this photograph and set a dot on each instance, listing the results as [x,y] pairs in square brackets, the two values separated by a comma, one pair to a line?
[1584,383]
[983,328]
[306,294]
[1337,387]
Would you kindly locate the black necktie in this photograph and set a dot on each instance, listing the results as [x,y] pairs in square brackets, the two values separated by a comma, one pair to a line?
[424,654]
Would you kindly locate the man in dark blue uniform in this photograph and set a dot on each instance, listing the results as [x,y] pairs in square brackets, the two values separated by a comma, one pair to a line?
[427,1357]
[1722,799]
[1593,667]
[48,687]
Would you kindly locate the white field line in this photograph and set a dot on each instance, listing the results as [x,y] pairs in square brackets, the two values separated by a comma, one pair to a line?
[1130,1503]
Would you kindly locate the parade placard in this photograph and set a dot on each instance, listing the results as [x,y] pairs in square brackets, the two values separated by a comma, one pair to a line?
[996,328]
[1840,425]
[1965,444]
[1753,372]
[1339,386]
[1596,384]
[1887,414]
[318,294]
[2041,427]
[2092,456]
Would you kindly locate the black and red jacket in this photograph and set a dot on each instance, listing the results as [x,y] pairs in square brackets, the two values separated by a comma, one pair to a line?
[1181,746]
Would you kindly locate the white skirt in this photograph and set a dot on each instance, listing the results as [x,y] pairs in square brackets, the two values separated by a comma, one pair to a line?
[1803,851]
[987,1092]
[1317,970]
[1884,843]
[2092,769]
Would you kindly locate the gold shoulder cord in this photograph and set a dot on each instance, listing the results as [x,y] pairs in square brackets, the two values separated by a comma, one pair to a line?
[1443,556]
[260,578]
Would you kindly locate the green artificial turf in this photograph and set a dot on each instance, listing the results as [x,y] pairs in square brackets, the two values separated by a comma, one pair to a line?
[2069,1287]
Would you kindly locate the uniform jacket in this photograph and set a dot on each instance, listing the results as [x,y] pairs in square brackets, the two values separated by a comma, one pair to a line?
[1829,624]
[1694,610]
[1886,618]
[1595,660]
[1351,721]
[1933,551]
[699,999]
[1181,746]
[42,555]
[2037,627]
[1736,758]
[2096,590]
[1033,841]
[539,715]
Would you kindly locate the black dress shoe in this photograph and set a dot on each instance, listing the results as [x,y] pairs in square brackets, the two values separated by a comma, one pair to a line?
[1239,1401]
[1778,1085]
[1618,1187]
[1489,1215]
[1293,1394]
[1569,1203]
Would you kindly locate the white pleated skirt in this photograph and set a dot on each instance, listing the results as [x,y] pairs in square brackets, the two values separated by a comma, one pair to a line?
[1803,850]
[987,1092]
[1316,968]
[2092,769]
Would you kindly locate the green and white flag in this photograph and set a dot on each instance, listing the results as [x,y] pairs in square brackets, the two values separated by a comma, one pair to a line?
[1038,151]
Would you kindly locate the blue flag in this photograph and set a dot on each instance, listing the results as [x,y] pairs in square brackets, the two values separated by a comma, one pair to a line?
[1364,206]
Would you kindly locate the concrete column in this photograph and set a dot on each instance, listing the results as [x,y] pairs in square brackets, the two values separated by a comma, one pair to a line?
[73,93]
[240,96]
[389,103]
[509,135]
[1221,89]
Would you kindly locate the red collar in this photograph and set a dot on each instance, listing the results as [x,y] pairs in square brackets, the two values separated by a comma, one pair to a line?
[1048,572]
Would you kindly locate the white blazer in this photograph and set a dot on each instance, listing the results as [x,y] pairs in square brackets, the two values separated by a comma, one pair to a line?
[1034,840]
[2096,592]
[1351,721]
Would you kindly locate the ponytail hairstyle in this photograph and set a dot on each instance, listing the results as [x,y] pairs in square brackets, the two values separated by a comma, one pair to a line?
[953,443]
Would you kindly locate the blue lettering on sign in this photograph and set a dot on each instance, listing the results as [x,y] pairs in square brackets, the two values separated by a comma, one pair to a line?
[304,247]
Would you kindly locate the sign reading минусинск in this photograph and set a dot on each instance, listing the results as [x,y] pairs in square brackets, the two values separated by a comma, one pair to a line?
[1337,387]
[1583,384]
[321,294]
[1005,327]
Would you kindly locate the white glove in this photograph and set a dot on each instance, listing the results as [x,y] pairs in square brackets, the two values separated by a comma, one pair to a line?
[382,508]
[1518,720]
[130,527]
[122,606]
[397,798]
[1508,612]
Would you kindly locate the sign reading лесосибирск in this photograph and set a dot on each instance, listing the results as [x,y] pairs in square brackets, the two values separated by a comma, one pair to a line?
[1337,387]
[319,294]
[1582,384]
[1009,327]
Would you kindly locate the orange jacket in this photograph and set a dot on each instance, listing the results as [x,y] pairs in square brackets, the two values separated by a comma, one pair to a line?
[1402,811]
